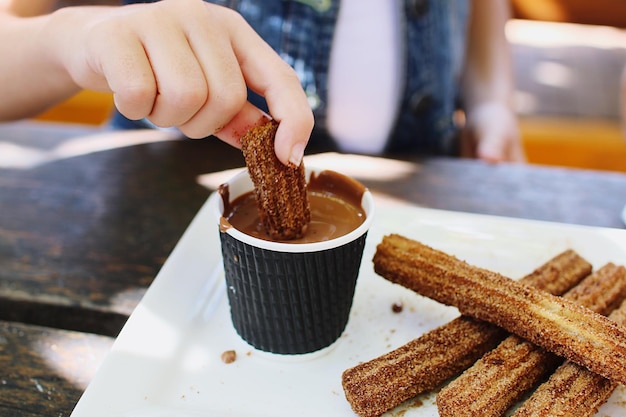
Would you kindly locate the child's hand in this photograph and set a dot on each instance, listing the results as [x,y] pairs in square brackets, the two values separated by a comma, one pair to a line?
[184,63]
[492,134]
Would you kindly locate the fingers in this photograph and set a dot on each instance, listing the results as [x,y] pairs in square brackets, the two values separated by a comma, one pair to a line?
[248,61]
[181,86]
[208,37]
[189,63]
[121,67]
[517,153]
[492,134]
[247,117]
[495,148]
[268,75]
[162,65]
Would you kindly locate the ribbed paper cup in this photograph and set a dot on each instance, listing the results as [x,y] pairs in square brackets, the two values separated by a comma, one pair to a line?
[289,298]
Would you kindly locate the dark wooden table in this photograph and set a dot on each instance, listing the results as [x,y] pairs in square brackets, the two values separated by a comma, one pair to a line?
[85,225]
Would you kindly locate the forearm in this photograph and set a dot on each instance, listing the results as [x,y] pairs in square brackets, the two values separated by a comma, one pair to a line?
[488,74]
[33,77]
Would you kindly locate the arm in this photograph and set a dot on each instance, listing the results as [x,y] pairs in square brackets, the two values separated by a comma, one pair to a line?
[491,131]
[181,63]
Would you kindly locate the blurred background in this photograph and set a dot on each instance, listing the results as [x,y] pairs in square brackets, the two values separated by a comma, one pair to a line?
[568,58]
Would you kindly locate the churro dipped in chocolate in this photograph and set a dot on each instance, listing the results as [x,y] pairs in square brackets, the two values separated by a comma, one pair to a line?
[503,376]
[378,385]
[571,390]
[280,190]
[557,324]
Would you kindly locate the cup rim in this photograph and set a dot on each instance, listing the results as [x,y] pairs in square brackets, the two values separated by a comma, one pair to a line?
[244,184]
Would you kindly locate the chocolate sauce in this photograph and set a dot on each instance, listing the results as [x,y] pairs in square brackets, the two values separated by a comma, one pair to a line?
[335,202]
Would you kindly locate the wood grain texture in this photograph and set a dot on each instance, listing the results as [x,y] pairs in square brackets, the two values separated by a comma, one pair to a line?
[45,371]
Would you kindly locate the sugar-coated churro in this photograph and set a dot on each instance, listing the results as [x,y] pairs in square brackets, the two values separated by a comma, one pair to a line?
[571,390]
[503,376]
[280,190]
[557,324]
[378,385]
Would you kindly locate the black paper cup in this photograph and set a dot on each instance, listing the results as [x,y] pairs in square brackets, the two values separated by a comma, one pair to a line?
[289,298]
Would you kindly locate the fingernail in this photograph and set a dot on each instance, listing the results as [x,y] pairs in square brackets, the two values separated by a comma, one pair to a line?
[297,153]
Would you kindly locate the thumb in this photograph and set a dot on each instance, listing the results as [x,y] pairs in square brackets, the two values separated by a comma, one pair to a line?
[250,116]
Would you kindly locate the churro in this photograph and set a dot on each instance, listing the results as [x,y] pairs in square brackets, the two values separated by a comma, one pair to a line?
[500,378]
[378,385]
[280,190]
[556,324]
[571,390]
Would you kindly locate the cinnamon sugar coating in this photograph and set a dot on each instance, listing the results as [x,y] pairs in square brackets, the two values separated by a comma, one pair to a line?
[556,324]
[504,375]
[572,390]
[280,190]
[378,385]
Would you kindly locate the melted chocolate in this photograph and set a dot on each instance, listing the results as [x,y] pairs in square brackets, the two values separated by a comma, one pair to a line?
[335,202]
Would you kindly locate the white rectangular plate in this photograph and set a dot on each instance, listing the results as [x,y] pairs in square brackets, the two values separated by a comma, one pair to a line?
[166,361]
